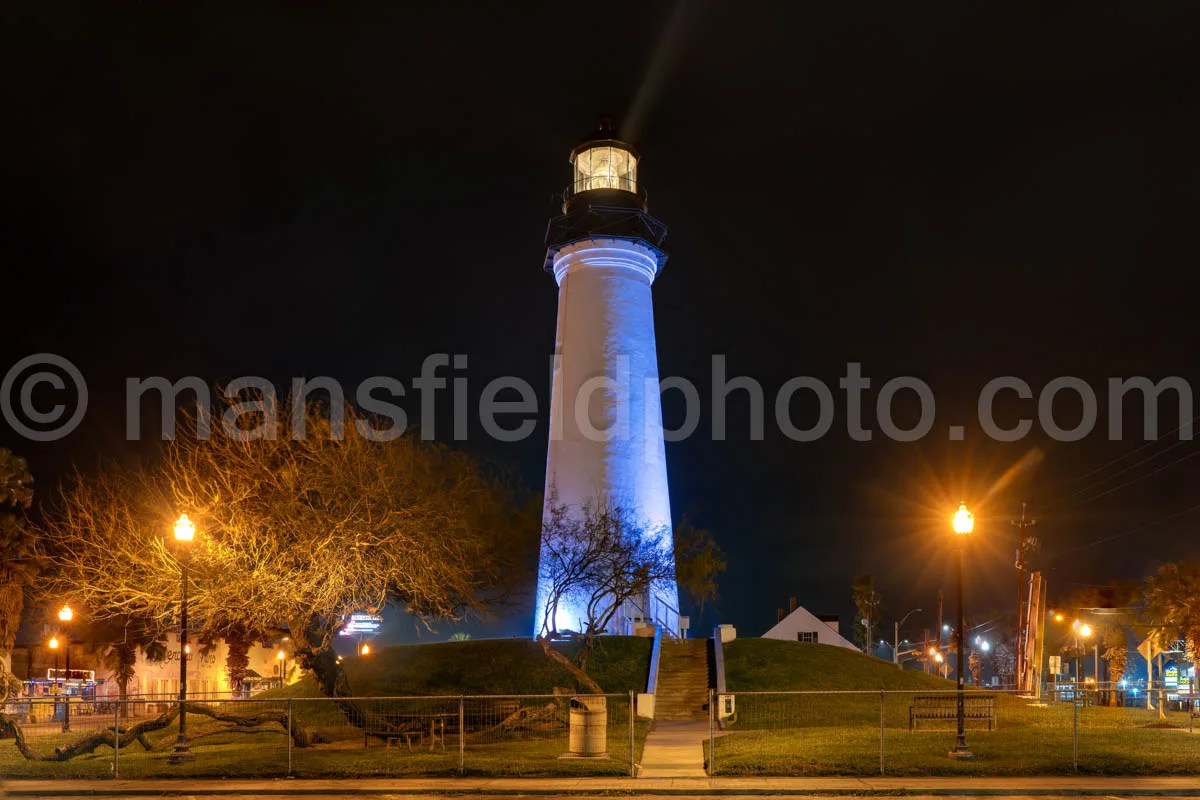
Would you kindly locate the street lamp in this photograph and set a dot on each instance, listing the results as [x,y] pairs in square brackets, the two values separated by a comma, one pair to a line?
[964,523]
[896,636]
[185,533]
[282,657]
[65,615]
[365,650]
[1082,631]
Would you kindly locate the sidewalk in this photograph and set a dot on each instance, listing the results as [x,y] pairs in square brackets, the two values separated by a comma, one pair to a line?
[1127,787]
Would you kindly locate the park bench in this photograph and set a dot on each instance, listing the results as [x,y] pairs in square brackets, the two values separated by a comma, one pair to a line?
[945,707]
[431,725]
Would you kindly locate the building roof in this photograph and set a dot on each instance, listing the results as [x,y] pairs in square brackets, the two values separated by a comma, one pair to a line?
[803,618]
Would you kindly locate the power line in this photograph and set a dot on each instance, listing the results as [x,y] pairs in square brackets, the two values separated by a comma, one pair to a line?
[1142,478]
[1131,531]
[1137,450]
[1119,472]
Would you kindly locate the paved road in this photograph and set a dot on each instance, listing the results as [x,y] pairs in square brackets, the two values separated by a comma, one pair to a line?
[1060,786]
[569,797]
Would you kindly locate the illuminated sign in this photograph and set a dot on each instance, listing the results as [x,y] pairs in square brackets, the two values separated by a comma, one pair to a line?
[361,624]
[1171,677]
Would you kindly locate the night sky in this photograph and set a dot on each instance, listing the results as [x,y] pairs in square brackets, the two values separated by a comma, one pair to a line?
[956,192]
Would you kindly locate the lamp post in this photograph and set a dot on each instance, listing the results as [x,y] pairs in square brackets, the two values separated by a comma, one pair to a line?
[896,636]
[964,523]
[185,532]
[53,645]
[65,615]
[282,657]
[1082,631]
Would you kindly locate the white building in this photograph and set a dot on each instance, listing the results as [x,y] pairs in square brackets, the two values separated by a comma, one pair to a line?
[606,437]
[803,626]
[207,675]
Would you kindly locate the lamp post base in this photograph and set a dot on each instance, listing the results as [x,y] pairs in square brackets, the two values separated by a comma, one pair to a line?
[182,754]
[960,753]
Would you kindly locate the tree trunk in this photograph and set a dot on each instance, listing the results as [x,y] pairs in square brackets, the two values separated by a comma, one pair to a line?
[576,672]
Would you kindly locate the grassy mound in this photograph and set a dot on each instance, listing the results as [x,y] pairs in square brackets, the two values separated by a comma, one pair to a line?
[775,665]
[495,666]
[485,666]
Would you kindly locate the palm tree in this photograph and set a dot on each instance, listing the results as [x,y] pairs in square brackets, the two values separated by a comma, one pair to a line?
[237,658]
[1173,603]
[120,655]
[1115,652]
[1108,610]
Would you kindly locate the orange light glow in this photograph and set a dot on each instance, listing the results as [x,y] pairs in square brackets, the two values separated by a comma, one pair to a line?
[964,521]
[185,530]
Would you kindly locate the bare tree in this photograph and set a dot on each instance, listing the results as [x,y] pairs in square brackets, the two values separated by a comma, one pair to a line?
[1004,660]
[295,530]
[594,560]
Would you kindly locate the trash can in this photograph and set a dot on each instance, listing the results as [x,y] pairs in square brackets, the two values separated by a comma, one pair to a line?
[588,719]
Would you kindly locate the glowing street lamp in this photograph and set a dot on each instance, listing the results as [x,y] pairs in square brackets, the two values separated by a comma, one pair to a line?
[964,521]
[1082,631]
[282,658]
[53,645]
[185,533]
[963,524]
[65,615]
[185,529]
[365,650]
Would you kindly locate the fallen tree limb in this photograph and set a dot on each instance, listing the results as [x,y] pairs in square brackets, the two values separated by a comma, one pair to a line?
[123,737]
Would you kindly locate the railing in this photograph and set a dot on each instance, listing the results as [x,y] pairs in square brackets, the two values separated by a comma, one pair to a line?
[890,732]
[660,613]
[619,184]
[319,736]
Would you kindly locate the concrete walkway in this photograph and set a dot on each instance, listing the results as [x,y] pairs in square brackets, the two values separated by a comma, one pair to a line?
[960,786]
[674,749]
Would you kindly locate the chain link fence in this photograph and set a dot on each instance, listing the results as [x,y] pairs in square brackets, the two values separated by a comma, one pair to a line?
[912,733]
[519,735]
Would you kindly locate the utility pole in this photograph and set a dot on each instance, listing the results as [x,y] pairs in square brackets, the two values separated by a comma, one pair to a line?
[941,628]
[1026,545]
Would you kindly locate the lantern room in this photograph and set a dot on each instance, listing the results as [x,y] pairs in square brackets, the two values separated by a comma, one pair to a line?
[604,164]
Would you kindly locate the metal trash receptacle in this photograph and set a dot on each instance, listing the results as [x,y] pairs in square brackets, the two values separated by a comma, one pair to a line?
[588,718]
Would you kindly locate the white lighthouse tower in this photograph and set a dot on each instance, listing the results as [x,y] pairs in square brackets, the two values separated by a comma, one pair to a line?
[606,438]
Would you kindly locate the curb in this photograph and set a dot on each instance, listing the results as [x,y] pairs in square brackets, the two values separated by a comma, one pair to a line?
[865,791]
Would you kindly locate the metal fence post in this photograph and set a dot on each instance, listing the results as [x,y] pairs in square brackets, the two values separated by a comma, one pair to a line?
[712,738]
[1075,732]
[117,739]
[462,742]
[289,735]
[632,730]
[882,761]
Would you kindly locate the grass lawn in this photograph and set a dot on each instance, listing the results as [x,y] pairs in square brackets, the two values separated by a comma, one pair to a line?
[262,752]
[832,734]
[839,734]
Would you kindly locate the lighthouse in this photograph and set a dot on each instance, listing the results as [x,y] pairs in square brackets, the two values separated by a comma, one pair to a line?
[606,436]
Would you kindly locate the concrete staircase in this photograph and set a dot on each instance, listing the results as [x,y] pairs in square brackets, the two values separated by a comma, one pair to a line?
[682,689]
